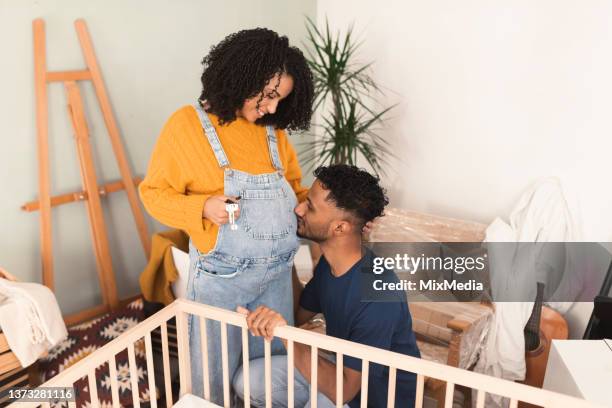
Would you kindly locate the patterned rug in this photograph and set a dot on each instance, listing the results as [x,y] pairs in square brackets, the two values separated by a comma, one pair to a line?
[84,339]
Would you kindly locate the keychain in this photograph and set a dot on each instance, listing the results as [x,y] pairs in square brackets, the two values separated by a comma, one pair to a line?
[231,208]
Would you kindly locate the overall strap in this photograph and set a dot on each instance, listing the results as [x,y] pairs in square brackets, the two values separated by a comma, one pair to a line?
[273,146]
[211,135]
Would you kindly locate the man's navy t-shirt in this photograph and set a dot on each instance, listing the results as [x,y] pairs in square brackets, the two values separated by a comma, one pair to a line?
[387,325]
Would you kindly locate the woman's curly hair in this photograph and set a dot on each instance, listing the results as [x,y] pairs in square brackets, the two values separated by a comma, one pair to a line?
[354,190]
[238,69]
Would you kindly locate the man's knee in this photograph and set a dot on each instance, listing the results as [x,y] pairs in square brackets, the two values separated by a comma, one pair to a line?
[238,383]
[256,381]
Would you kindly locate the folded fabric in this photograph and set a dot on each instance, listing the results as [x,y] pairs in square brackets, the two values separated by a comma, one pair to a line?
[159,274]
[542,214]
[30,319]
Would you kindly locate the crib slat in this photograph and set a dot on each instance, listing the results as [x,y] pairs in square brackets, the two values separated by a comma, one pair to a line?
[93,389]
[314,365]
[133,375]
[150,370]
[112,369]
[365,374]
[268,373]
[182,338]
[480,399]
[19,403]
[513,403]
[420,388]
[405,363]
[448,399]
[245,368]
[290,379]
[204,347]
[224,359]
[391,389]
[339,379]
[166,360]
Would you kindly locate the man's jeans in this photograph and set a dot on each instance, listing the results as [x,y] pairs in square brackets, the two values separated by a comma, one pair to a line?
[301,387]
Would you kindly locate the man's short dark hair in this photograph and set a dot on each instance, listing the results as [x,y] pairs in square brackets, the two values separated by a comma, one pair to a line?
[354,190]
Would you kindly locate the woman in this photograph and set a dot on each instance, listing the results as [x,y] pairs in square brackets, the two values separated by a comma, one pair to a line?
[232,148]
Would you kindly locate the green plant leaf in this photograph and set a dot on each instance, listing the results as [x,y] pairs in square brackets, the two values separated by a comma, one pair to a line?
[344,94]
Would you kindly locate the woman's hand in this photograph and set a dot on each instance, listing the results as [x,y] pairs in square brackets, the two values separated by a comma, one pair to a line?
[214,209]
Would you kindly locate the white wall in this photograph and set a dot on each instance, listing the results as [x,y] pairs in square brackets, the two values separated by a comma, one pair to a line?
[492,97]
[150,53]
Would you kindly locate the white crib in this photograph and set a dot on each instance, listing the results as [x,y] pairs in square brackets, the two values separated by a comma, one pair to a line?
[180,310]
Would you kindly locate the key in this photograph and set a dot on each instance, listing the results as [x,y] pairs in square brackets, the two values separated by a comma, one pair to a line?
[231,209]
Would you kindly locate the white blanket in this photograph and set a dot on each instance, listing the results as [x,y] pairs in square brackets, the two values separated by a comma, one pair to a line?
[541,215]
[30,319]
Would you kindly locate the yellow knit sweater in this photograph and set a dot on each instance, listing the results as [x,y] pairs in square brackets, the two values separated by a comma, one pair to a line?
[183,172]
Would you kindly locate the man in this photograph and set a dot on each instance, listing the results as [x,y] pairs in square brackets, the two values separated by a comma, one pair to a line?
[341,201]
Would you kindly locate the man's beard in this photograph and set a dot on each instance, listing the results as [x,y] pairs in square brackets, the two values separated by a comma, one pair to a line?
[318,238]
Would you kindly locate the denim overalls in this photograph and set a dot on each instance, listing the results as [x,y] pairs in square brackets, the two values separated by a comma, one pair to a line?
[248,267]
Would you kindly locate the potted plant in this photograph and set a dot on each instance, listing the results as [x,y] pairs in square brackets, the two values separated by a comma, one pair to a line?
[344,94]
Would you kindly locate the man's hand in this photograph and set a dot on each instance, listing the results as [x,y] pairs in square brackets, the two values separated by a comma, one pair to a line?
[214,209]
[315,325]
[262,321]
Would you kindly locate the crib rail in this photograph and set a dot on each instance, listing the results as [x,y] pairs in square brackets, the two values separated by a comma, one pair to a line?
[180,309]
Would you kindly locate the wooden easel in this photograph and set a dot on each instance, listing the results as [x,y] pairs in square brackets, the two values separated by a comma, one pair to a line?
[92,191]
